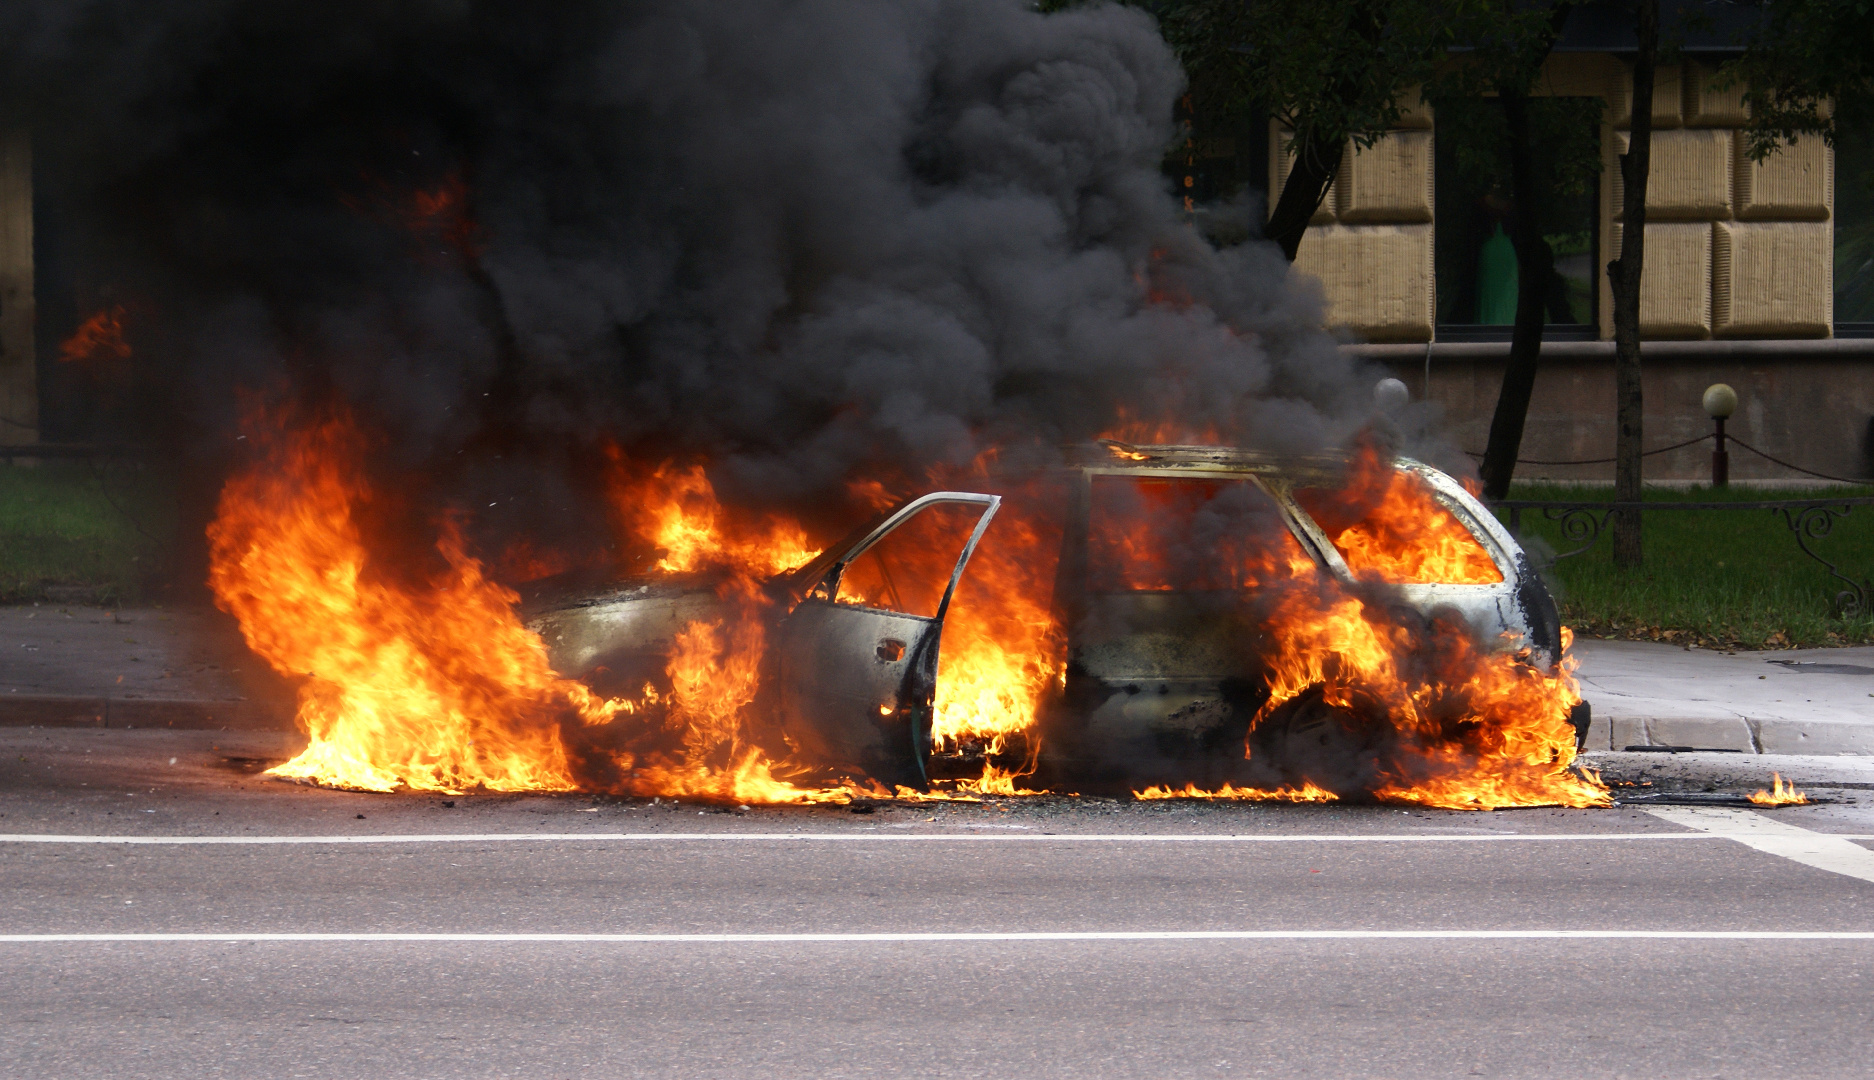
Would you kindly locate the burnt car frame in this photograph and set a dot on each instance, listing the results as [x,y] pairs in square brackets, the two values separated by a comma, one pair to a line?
[1156,679]
[1162,684]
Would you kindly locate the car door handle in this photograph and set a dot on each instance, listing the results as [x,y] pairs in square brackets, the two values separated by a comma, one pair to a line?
[891,650]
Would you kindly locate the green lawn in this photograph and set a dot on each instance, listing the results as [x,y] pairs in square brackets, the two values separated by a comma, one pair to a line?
[1712,577]
[74,532]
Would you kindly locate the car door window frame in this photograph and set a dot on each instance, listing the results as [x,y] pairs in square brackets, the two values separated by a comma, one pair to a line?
[826,589]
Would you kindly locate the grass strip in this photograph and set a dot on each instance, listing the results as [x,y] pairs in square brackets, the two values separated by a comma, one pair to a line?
[76,532]
[1714,578]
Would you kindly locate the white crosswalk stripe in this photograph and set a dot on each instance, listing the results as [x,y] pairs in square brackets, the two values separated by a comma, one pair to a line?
[1824,851]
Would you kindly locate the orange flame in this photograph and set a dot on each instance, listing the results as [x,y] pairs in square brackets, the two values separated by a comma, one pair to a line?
[434,686]
[100,337]
[1481,731]
[674,509]
[1469,728]
[1306,793]
[1002,651]
[1388,527]
[1779,793]
[995,781]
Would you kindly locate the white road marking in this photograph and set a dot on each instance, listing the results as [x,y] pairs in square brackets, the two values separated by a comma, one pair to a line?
[1833,852]
[866,837]
[1070,935]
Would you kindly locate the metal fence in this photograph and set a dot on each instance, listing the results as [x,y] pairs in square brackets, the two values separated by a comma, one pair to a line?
[1808,520]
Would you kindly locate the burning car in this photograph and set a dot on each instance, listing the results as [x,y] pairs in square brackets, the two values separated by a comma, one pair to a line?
[1171,564]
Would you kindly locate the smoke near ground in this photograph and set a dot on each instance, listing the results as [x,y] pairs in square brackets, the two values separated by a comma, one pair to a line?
[807,240]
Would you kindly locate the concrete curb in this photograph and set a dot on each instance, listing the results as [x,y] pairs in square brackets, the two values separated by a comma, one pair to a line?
[62,711]
[1733,733]
[1777,736]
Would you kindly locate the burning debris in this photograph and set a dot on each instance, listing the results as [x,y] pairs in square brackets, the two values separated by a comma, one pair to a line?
[99,338]
[1307,793]
[1779,793]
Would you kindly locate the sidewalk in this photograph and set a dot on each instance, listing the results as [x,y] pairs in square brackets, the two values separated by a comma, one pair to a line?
[76,666]
[67,665]
[1806,701]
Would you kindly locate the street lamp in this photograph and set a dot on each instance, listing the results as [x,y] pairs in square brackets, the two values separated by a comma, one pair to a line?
[1720,403]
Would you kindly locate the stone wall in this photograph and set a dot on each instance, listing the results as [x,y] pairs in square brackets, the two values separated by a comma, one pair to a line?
[1807,402]
[1371,241]
[1735,248]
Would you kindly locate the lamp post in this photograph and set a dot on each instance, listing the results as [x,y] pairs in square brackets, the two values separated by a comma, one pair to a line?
[1720,403]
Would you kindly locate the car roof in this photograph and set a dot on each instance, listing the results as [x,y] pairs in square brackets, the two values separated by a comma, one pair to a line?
[1111,455]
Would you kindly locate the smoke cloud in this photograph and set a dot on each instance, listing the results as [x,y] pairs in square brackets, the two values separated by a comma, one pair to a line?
[805,239]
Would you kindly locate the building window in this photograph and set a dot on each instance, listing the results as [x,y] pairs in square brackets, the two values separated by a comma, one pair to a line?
[1854,217]
[1476,263]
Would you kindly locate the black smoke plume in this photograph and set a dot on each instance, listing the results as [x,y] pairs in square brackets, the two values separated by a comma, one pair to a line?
[806,240]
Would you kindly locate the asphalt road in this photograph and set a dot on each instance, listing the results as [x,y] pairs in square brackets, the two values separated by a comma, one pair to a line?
[228,925]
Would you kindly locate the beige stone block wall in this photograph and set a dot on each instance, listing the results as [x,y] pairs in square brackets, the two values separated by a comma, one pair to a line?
[1688,176]
[1794,184]
[1707,106]
[1772,279]
[1415,112]
[1389,182]
[1667,97]
[1280,162]
[1377,278]
[1675,285]
[1577,75]
[19,380]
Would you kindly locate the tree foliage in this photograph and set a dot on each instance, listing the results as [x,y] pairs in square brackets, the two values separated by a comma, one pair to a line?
[1804,56]
[1334,72]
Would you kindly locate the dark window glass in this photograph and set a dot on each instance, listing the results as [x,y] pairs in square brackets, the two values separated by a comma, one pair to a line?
[1854,212]
[1476,263]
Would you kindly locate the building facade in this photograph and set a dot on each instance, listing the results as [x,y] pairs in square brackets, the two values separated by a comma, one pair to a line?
[1753,275]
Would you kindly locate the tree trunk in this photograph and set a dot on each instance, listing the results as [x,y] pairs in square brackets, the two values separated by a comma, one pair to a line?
[1315,162]
[1302,192]
[1623,276]
[1535,267]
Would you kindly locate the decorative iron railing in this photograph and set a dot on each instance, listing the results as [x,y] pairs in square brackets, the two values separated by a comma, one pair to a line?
[1807,519]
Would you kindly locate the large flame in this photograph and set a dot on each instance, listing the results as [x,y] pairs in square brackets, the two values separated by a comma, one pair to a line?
[434,685]
[1468,727]
[674,509]
[426,679]
[1388,527]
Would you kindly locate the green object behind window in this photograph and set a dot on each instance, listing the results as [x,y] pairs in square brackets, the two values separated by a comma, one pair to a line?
[1496,280]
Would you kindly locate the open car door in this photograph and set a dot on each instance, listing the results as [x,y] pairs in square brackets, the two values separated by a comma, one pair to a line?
[857,657]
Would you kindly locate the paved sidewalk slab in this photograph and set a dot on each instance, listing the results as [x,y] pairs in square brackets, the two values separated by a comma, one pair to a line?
[74,666]
[1805,701]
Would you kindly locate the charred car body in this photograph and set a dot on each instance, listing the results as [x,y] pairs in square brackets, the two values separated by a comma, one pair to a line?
[1163,554]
